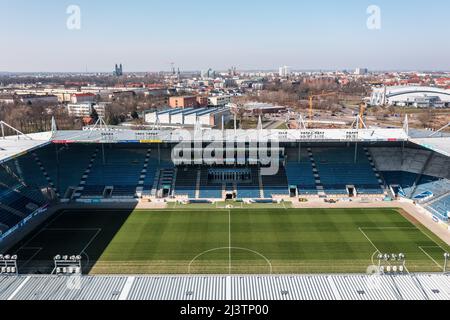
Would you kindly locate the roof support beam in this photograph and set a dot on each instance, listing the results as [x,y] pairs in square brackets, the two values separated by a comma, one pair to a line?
[441,129]
[19,133]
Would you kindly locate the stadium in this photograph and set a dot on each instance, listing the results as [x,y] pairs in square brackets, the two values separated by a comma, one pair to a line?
[206,214]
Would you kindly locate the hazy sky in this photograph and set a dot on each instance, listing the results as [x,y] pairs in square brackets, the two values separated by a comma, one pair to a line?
[250,34]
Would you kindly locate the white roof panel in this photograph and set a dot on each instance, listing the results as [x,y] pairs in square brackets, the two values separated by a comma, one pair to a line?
[14,146]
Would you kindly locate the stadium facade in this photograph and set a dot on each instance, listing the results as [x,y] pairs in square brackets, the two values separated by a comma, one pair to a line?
[415,96]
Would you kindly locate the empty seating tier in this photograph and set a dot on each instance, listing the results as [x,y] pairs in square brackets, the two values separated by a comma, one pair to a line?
[338,169]
[116,166]
[250,190]
[186,182]
[300,173]
[275,185]
[209,190]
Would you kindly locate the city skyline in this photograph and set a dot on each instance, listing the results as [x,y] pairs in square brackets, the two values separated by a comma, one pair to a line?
[196,35]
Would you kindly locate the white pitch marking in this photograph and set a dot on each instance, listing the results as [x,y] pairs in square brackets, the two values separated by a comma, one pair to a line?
[38,249]
[235,248]
[365,235]
[421,248]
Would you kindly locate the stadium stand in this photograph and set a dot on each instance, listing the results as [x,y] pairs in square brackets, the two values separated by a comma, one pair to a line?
[251,189]
[71,161]
[18,200]
[300,174]
[186,182]
[404,179]
[26,170]
[276,185]
[150,176]
[411,160]
[208,189]
[119,168]
[416,174]
[338,170]
[433,185]
[158,173]
[441,207]
[15,206]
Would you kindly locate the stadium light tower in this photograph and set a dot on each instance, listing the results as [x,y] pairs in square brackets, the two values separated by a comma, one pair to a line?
[8,265]
[67,265]
[398,262]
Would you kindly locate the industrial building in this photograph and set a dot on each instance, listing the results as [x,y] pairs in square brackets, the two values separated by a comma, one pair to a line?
[257,108]
[37,99]
[183,102]
[411,96]
[82,98]
[219,100]
[208,117]
[80,110]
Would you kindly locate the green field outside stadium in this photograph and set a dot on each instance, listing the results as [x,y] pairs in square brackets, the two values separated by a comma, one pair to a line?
[236,241]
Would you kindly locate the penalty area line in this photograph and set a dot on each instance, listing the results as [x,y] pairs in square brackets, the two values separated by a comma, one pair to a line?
[431,258]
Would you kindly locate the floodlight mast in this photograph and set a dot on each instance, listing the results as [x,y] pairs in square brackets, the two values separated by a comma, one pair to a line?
[8,265]
[67,265]
[399,261]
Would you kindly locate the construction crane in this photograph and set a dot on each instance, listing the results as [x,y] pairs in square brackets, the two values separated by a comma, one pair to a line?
[362,110]
[312,97]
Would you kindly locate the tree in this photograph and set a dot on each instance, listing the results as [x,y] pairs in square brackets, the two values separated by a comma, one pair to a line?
[135,115]
[426,118]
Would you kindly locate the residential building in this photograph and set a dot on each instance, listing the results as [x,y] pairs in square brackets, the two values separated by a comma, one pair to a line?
[183,102]
[81,110]
[82,98]
[219,100]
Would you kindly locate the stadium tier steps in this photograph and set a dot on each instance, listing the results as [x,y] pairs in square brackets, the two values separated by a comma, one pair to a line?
[426,188]
[66,168]
[186,181]
[120,169]
[166,179]
[337,169]
[250,190]
[403,179]
[159,168]
[300,174]
[441,207]
[209,190]
[433,186]
[150,176]
[276,185]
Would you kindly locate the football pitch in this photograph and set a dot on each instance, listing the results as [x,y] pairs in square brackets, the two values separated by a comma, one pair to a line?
[231,241]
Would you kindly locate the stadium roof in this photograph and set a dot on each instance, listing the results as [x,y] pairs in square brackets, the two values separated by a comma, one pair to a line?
[274,287]
[439,145]
[102,135]
[14,146]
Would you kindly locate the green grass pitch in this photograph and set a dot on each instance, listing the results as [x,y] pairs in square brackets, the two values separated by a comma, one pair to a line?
[237,241]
